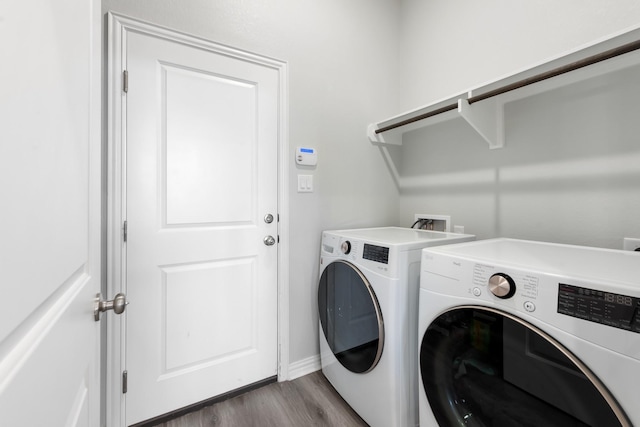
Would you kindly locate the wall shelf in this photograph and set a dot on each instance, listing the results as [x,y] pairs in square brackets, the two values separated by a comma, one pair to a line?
[485,115]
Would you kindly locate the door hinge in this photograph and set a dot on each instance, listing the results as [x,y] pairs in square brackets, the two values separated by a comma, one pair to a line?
[124,382]
[124,231]
[125,81]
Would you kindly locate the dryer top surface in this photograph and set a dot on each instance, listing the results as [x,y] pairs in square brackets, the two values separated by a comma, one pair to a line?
[400,236]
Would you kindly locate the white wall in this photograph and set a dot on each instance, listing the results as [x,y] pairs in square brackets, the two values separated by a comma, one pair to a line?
[449,46]
[570,170]
[342,60]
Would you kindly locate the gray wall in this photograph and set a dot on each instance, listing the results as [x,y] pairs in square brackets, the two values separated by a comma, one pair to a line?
[568,173]
[342,60]
[570,170]
[449,46]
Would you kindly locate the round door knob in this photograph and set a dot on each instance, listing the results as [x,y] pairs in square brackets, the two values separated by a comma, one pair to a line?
[345,247]
[502,286]
[268,218]
[117,304]
[269,240]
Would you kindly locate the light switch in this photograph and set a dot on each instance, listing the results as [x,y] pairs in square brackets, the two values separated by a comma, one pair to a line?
[305,183]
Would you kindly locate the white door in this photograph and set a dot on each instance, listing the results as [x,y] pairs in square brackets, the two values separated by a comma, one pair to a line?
[201,189]
[49,212]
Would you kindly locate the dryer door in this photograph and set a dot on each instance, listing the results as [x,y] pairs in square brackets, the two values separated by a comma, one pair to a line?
[484,367]
[350,316]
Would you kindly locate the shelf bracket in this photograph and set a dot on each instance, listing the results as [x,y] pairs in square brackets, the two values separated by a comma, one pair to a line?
[393,137]
[486,118]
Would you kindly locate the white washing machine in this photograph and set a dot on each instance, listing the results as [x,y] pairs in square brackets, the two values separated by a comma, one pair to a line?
[520,333]
[368,310]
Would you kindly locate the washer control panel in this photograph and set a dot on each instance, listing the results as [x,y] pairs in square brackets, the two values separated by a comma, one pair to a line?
[376,253]
[577,293]
[619,311]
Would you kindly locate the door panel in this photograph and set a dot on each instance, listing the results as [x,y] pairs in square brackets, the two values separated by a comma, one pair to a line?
[50,189]
[201,173]
[197,341]
[199,149]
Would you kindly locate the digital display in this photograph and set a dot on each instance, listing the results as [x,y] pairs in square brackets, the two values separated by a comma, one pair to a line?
[619,311]
[376,253]
[618,299]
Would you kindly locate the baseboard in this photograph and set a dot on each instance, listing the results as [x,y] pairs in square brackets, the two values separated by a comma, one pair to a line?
[305,366]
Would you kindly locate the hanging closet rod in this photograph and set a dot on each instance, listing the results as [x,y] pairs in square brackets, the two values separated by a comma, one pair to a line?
[612,53]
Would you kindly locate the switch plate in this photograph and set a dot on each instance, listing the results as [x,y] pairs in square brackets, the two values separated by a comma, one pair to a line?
[631,244]
[305,183]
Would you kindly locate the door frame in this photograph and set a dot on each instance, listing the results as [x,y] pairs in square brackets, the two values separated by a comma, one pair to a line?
[118,27]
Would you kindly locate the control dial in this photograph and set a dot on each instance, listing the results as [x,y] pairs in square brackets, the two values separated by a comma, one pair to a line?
[502,286]
[345,247]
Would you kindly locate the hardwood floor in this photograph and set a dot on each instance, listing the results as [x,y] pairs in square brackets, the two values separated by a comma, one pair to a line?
[306,401]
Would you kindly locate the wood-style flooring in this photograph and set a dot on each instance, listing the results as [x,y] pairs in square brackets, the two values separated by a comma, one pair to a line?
[306,401]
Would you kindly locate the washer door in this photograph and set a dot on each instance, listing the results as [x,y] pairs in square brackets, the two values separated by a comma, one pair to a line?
[350,317]
[485,367]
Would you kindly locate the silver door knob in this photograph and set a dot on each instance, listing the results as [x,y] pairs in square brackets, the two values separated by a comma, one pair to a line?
[268,218]
[117,304]
[269,240]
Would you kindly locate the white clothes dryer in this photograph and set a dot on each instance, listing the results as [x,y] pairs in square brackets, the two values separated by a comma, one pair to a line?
[522,333]
[368,315]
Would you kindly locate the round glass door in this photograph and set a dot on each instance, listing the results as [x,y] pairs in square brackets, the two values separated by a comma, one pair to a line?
[350,317]
[484,367]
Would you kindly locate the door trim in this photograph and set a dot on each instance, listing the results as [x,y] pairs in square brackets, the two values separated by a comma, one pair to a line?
[118,28]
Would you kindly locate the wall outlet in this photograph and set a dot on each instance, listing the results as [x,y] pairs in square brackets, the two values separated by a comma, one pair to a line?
[631,244]
[434,222]
[458,229]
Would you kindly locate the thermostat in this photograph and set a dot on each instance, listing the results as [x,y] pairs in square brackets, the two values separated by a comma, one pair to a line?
[306,156]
